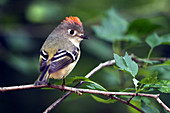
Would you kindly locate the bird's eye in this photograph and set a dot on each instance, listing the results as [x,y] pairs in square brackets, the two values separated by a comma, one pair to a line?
[72,32]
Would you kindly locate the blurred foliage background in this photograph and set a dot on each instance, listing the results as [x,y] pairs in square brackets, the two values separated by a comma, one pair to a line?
[24,26]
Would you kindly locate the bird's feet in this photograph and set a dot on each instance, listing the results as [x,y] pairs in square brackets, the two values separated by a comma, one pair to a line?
[63,85]
[37,83]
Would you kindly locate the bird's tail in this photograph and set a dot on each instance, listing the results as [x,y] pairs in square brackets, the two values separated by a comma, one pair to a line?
[43,78]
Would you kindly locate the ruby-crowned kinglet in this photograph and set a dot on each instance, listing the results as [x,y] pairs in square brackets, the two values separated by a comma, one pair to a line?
[60,52]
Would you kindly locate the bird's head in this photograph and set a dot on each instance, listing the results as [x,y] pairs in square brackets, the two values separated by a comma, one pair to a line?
[72,29]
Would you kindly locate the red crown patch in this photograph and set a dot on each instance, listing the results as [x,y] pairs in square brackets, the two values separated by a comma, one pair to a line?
[73,20]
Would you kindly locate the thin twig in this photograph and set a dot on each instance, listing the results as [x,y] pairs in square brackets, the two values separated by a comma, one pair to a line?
[125,102]
[52,106]
[152,59]
[160,102]
[130,99]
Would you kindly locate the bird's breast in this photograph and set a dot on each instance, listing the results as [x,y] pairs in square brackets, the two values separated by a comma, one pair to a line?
[62,73]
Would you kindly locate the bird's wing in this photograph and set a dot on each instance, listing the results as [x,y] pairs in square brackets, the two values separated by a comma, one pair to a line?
[43,60]
[61,59]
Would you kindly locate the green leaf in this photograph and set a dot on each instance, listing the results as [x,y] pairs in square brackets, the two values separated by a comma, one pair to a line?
[165,39]
[167,62]
[162,85]
[135,101]
[133,67]
[71,80]
[128,89]
[95,85]
[126,63]
[154,40]
[147,106]
[119,62]
[98,99]
[150,80]
[113,27]
[147,90]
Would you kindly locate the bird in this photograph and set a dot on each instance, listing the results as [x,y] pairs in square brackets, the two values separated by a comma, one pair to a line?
[61,51]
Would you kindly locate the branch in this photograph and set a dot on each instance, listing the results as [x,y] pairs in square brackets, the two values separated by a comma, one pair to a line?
[21,87]
[160,102]
[80,91]
[102,92]
[152,59]
[125,102]
[3,89]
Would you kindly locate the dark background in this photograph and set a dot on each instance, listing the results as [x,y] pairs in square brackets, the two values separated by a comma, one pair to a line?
[24,26]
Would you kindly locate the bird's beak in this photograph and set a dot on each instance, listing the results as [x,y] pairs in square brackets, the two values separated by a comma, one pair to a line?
[83,36]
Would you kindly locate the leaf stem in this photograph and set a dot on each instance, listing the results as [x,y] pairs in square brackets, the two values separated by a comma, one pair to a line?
[149,54]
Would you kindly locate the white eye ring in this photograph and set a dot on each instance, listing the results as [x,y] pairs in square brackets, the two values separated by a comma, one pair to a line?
[72,32]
